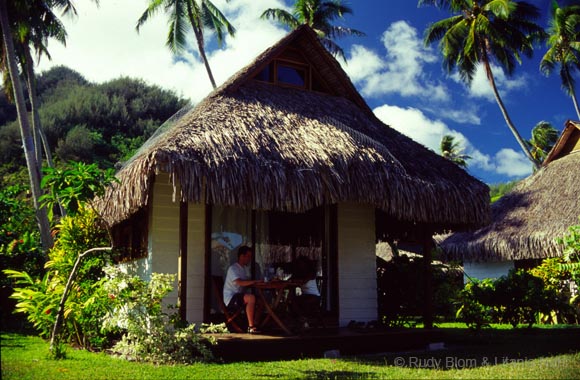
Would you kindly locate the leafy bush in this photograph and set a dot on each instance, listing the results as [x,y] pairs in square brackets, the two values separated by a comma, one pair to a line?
[520,296]
[475,299]
[557,279]
[571,243]
[74,186]
[19,246]
[516,298]
[150,333]
[86,304]
[400,288]
[571,264]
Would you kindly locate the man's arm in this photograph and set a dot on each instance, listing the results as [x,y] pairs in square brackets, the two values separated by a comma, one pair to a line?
[239,282]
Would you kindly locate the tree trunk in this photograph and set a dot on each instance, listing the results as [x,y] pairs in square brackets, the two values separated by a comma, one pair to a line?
[572,92]
[55,339]
[25,132]
[36,125]
[507,118]
[198,31]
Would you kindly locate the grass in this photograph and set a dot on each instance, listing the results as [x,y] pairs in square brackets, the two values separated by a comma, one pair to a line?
[504,354]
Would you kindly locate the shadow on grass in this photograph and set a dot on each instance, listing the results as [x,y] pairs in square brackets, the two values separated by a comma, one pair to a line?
[9,341]
[468,349]
[322,374]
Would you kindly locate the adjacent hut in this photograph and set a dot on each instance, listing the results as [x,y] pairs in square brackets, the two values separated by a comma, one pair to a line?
[287,157]
[527,220]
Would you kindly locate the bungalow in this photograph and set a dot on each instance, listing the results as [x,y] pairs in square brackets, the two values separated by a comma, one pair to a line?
[288,158]
[527,220]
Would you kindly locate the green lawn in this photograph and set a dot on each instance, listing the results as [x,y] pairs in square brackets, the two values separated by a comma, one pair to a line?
[513,354]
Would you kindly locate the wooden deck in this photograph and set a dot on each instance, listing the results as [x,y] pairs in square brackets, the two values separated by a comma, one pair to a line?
[317,343]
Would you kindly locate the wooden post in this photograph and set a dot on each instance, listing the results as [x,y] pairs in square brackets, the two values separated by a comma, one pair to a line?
[182,278]
[427,278]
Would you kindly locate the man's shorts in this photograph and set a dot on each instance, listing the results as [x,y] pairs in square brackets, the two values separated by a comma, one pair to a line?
[236,302]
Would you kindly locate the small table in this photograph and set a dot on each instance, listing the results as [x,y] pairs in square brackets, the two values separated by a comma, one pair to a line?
[278,286]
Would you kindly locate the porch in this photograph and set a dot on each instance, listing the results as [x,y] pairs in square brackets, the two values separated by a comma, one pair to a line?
[315,343]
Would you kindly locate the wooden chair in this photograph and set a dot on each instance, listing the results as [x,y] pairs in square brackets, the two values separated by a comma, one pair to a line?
[230,316]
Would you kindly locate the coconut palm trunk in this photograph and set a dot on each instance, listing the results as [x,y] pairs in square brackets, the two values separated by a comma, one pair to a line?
[196,25]
[40,138]
[25,131]
[506,116]
[36,124]
[572,91]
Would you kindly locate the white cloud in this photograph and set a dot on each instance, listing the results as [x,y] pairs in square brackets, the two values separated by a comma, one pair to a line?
[480,87]
[363,64]
[413,123]
[401,71]
[512,163]
[94,48]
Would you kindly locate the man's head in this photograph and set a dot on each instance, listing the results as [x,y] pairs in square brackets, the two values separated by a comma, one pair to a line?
[244,255]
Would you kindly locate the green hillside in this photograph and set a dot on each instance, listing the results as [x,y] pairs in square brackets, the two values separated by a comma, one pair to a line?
[89,122]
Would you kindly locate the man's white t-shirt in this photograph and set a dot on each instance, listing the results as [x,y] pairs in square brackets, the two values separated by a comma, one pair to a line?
[235,272]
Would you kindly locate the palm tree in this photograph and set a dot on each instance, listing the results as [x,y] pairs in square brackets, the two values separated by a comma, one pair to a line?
[481,31]
[564,47]
[196,14]
[319,15]
[450,150]
[544,136]
[36,23]
[25,131]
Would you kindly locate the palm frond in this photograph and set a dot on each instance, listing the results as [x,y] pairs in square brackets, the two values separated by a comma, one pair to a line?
[151,10]
[178,27]
[340,31]
[281,16]
[333,47]
[216,21]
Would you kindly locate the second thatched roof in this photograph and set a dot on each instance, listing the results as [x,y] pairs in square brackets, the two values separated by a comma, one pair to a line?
[257,145]
[527,221]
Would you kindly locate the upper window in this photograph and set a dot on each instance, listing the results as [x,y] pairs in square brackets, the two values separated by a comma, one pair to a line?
[290,74]
[292,69]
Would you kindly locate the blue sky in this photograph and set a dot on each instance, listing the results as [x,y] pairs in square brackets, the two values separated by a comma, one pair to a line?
[401,80]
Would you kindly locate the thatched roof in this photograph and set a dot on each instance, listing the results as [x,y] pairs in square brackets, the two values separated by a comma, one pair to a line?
[253,144]
[527,220]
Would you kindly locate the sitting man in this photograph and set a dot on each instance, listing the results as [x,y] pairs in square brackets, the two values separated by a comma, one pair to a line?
[237,278]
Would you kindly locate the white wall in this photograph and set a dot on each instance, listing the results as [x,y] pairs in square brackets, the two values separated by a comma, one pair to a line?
[140,267]
[195,263]
[164,232]
[481,271]
[357,279]
[164,246]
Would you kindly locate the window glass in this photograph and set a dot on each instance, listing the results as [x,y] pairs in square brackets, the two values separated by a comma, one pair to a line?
[230,229]
[265,75]
[291,75]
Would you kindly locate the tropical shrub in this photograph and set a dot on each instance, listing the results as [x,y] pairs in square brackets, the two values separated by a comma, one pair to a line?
[400,288]
[516,298]
[19,246]
[475,300]
[571,264]
[571,243]
[150,333]
[74,186]
[558,280]
[86,304]
[519,297]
